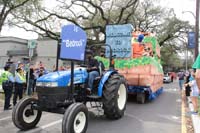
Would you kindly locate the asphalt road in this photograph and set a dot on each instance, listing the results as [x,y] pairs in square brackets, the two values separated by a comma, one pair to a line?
[163,115]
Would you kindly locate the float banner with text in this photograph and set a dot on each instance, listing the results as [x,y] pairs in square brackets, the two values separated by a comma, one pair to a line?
[73,43]
[119,38]
[191,40]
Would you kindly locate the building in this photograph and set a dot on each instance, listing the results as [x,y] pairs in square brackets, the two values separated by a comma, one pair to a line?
[16,50]
[12,48]
[46,52]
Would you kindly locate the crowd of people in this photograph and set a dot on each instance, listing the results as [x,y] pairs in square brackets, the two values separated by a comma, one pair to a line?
[188,85]
[17,79]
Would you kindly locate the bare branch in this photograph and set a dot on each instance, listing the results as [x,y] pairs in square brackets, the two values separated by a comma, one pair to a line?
[129,4]
[90,2]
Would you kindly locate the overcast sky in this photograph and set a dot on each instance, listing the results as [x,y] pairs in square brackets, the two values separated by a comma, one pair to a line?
[178,5]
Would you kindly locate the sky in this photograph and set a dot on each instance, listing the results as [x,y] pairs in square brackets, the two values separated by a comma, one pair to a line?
[179,6]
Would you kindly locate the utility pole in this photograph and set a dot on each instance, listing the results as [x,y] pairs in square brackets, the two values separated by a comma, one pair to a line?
[186,59]
[196,52]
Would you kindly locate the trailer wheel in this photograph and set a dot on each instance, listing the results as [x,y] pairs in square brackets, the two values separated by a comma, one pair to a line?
[141,97]
[24,116]
[75,119]
[114,97]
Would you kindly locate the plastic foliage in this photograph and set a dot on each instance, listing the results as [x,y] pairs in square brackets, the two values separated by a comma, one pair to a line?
[197,63]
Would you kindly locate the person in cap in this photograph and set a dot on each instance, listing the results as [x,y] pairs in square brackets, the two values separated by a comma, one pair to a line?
[20,81]
[93,69]
[7,85]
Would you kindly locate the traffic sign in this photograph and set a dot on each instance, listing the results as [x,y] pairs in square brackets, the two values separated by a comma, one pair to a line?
[73,43]
[31,44]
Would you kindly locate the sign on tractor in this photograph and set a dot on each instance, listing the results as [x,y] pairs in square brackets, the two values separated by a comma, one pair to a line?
[73,42]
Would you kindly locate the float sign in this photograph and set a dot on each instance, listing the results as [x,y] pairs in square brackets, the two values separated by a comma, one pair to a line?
[119,38]
[73,43]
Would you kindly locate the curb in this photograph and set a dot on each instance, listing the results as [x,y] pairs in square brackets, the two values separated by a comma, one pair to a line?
[183,121]
[195,119]
[1,90]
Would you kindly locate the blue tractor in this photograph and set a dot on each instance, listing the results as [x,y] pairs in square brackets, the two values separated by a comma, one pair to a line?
[65,92]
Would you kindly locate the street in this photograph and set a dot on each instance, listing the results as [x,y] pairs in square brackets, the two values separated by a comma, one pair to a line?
[163,115]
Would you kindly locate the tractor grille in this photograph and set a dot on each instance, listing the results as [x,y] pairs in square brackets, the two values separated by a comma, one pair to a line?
[49,97]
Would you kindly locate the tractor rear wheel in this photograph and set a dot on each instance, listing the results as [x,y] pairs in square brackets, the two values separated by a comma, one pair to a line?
[24,116]
[75,119]
[115,97]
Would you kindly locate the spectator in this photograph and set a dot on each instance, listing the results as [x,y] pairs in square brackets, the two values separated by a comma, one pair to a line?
[41,72]
[20,65]
[7,85]
[194,92]
[30,79]
[62,68]
[187,87]
[36,75]
[41,65]
[54,68]
[19,85]
[181,76]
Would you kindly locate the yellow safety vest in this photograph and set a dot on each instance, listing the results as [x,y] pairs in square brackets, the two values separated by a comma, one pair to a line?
[22,78]
[5,75]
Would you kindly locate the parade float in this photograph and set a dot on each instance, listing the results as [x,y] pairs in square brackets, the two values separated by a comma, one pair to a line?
[137,58]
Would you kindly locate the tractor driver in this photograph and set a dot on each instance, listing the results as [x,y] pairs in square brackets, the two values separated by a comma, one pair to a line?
[92,69]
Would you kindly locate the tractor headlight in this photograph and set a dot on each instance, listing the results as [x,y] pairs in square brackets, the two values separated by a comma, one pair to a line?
[47,84]
[39,83]
[51,84]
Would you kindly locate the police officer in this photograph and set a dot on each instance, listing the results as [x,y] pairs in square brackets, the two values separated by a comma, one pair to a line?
[7,84]
[20,81]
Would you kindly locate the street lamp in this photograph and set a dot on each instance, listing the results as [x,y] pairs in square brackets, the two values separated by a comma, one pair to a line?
[190,13]
[196,51]
[186,50]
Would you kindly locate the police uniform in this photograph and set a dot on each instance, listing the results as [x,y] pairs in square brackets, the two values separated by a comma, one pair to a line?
[19,85]
[7,85]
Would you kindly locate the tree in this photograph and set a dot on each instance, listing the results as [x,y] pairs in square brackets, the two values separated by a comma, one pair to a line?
[169,58]
[94,15]
[10,6]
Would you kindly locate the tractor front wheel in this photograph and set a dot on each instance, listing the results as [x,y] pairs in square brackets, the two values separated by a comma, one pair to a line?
[75,119]
[114,97]
[24,116]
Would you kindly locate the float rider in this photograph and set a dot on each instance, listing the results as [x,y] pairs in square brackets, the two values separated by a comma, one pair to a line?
[7,85]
